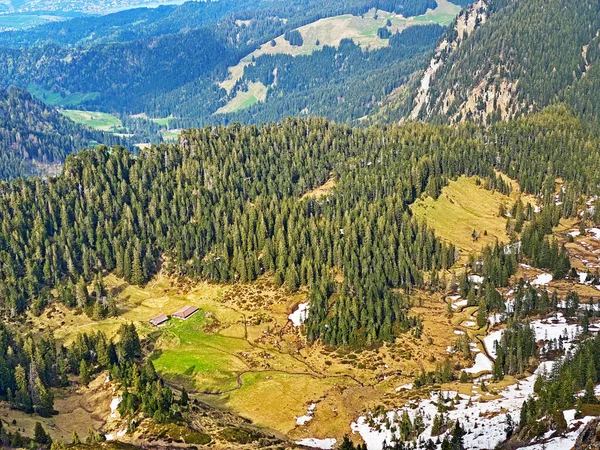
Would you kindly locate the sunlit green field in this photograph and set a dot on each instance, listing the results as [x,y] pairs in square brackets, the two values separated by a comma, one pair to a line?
[56,99]
[93,119]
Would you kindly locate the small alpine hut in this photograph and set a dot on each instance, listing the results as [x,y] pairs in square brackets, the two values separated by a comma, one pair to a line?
[185,312]
[159,320]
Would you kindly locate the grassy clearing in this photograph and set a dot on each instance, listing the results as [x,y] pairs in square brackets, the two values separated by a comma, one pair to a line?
[80,409]
[323,190]
[202,361]
[288,396]
[332,30]
[462,207]
[241,353]
[94,119]
[257,92]
[56,99]
[443,15]
[164,121]
[171,135]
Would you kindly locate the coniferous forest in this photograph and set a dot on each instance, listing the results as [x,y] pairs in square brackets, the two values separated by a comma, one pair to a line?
[225,205]
[313,228]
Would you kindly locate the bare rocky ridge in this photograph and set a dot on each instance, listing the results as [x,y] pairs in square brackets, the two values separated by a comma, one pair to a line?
[469,19]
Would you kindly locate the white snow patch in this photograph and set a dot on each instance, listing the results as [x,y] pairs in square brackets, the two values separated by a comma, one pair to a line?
[114,404]
[563,442]
[324,444]
[118,434]
[405,387]
[299,316]
[468,323]
[459,332]
[473,347]
[495,319]
[490,342]
[574,233]
[542,279]
[569,415]
[550,329]
[459,304]
[477,279]
[308,416]
[595,232]
[482,364]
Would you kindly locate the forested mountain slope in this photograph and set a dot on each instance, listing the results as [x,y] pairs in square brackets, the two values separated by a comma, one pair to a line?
[224,205]
[174,61]
[232,205]
[526,55]
[33,136]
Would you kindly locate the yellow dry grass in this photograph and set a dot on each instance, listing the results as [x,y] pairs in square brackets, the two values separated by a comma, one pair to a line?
[461,208]
[79,409]
[243,333]
[321,191]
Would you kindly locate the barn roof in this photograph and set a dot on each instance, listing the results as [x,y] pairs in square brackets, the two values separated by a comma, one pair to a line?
[185,312]
[159,320]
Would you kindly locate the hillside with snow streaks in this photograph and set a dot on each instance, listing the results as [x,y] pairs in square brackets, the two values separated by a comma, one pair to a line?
[486,420]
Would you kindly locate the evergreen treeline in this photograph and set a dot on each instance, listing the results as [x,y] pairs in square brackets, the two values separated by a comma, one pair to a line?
[143,391]
[515,350]
[32,133]
[542,252]
[226,205]
[577,372]
[28,369]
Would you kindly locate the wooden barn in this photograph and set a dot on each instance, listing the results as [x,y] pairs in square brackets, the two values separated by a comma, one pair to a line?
[159,320]
[185,312]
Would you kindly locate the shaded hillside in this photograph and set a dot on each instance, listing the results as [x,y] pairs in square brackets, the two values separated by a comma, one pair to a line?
[33,136]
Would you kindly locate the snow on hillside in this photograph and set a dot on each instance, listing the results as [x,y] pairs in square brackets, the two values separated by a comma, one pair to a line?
[486,421]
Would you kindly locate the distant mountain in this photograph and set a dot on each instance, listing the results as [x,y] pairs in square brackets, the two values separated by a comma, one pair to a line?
[35,139]
[83,6]
[510,57]
[179,61]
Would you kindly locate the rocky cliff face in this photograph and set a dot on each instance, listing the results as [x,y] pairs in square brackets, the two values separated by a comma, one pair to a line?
[589,439]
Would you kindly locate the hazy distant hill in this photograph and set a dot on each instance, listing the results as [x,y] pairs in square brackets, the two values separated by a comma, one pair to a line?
[84,6]
[179,61]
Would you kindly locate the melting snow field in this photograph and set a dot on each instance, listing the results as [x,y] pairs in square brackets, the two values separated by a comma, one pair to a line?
[118,434]
[299,316]
[476,279]
[595,232]
[324,444]
[308,416]
[484,420]
[542,279]
[114,404]
[482,364]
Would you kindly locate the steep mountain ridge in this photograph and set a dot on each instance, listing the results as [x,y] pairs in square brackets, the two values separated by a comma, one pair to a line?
[521,56]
